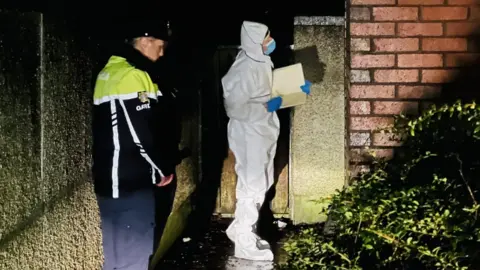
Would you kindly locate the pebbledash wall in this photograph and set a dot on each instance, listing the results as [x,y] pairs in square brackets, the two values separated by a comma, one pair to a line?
[399,54]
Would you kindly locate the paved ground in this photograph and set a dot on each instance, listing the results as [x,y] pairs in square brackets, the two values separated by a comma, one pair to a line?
[214,251]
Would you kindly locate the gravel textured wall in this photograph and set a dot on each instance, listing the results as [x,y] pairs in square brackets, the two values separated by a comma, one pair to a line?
[48,213]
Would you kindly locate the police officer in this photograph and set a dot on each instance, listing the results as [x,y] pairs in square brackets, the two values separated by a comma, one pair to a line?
[128,163]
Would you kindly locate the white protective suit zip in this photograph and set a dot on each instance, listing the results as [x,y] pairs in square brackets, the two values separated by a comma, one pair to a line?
[252,137]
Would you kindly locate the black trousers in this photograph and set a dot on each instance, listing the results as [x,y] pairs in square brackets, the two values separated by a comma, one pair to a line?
[128,228]
[164,197]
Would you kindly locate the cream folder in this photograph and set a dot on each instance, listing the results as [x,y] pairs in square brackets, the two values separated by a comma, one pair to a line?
[286,83]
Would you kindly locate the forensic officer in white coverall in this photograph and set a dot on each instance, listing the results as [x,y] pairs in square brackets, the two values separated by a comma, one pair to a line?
[253,131]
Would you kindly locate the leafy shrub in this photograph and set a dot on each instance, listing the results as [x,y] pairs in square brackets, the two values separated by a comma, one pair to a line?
[419,210]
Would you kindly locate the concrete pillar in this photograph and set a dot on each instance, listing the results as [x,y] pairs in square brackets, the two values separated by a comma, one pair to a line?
[48,212]
[318,132]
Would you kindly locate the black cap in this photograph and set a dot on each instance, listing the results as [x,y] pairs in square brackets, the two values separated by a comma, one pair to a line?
[147,28]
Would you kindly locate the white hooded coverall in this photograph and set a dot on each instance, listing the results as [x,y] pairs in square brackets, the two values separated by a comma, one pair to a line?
[252,137]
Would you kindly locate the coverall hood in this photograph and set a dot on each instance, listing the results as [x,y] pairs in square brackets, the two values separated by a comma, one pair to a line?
[252,36]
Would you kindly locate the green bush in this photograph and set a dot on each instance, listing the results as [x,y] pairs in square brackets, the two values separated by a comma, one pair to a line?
[416,211]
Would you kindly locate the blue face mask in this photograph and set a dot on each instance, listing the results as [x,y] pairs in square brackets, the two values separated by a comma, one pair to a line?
[270,47]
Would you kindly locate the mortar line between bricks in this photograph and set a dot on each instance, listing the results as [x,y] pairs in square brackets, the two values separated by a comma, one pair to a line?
[373,115]
[392,84]
[370,132]
[379,115]
[399,83]
[372,6]
[371,106]
[402,100]
[411,68]
[385,115]
[420,75]
[378,36]
[393,21]
[363,131]
[444,27]
[380,147]
[382,53]
[443,21]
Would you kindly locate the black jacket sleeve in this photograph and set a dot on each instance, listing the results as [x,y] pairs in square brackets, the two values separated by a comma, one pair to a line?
[138,110]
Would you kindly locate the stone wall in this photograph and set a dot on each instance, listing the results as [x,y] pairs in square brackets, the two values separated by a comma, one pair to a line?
[49,216]
[317,150]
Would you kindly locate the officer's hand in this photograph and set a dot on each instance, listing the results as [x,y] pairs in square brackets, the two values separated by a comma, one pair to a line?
[165,181]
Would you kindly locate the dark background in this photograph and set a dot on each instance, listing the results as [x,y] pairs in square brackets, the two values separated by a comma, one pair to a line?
[210,23]
[198,29]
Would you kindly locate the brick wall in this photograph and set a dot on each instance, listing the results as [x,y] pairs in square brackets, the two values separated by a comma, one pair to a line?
[401,51]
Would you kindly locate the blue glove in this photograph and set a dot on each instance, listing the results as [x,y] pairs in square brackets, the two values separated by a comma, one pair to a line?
[274,104]
[306,87]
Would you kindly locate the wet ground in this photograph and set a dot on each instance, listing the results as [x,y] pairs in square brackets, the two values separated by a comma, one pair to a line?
[214,250]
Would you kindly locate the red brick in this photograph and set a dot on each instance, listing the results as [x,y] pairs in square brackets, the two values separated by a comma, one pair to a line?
[359,107]
[357,76]
[372,29]
[359,14]
[396,44]
[373,2]
[395,107]
[420,2]
[386,139]
[444,13]
[462,2]
[420,60]
[418,91]
[460,28]
[370,123]
[372,91]
[365,155]
[359,139]
[396,75]
[359,44]
[444,44]
[460,59]
[438,75]
[419,29]
[372,60]
[395,13]
[475,13]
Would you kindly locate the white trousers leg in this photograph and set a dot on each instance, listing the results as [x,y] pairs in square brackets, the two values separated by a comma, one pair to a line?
[254,156]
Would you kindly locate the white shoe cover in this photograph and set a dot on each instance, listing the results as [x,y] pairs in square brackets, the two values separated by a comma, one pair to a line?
[231,234]
[246,247]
